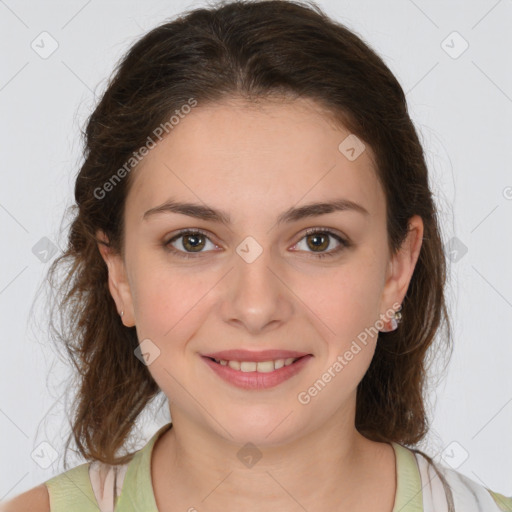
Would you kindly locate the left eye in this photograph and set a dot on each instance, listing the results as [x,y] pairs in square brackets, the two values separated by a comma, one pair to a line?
[319,240]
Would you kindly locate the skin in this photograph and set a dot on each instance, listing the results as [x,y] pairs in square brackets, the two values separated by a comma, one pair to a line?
[255,163]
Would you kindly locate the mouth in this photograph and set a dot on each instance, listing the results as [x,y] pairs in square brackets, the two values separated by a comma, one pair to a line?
[257,366]
[257,375]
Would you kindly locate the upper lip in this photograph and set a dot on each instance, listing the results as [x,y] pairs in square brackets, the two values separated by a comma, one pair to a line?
[249,355]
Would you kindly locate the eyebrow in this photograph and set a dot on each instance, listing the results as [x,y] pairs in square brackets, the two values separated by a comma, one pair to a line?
[293,214]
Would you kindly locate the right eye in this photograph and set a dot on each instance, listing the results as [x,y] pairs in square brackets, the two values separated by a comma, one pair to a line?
[192,241]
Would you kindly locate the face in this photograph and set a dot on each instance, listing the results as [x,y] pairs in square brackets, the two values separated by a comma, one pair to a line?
[260,280]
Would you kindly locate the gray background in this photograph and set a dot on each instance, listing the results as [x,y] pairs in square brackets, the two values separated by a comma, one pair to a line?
[461,103]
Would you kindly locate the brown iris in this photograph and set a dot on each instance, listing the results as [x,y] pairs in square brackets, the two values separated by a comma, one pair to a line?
[316,237]
[195,244]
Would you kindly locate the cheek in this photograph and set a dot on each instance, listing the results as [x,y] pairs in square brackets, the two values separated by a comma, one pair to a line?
[344,301]
[167,303]
[170,308]
[344,309]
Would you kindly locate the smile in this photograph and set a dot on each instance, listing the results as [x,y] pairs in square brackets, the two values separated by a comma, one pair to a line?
[257,375]
[253,366]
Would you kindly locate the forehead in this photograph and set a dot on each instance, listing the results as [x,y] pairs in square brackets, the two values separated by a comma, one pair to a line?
[236,153]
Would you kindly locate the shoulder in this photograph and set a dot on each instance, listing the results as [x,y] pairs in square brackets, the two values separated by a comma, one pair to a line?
[504,502]
[467,494]
[71,490]
[36,499]
[67,488]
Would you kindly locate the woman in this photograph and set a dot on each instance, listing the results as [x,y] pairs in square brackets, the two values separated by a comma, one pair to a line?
[256,238]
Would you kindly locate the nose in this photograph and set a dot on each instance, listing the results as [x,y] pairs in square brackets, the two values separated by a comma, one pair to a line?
[256,296]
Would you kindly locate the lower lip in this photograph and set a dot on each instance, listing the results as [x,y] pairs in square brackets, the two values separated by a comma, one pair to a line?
[257,380]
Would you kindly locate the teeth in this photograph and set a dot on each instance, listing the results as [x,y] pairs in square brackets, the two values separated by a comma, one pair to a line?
[279,363]
[234,364]
[248,366]
[253,366]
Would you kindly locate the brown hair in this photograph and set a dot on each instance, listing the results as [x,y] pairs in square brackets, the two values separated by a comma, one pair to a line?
[252,50]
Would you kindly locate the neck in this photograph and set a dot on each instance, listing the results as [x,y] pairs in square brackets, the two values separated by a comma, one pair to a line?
[334,464]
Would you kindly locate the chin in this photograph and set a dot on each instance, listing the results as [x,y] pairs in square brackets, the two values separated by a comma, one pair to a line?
[271,428]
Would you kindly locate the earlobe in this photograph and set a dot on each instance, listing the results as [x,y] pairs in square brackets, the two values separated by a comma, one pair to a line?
[117,280]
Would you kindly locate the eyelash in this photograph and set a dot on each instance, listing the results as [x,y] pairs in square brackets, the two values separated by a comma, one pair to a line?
[344,243]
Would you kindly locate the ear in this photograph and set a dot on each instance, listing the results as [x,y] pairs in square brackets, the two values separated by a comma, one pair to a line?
[117,280]
[402,264]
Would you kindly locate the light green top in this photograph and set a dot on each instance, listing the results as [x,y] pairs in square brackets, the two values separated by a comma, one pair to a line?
[72,489]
